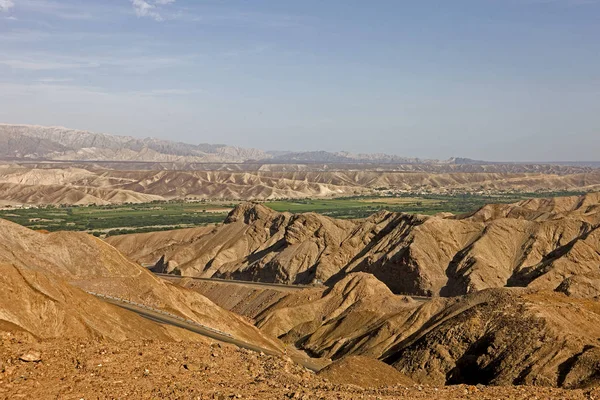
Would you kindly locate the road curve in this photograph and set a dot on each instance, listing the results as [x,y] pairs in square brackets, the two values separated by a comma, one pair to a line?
[222,337]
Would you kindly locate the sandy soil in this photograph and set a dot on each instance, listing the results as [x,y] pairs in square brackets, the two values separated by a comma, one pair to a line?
[69,369]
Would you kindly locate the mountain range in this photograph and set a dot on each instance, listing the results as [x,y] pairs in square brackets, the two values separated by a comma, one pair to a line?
[546,244]
[58,143]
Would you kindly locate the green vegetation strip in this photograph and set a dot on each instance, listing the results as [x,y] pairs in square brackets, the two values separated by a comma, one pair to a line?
[362,207]
[158,216]
[119,219]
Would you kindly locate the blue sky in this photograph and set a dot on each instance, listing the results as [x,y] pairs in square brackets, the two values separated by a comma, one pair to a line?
[486,79]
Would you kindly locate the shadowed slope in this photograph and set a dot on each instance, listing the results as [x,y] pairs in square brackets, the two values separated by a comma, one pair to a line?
[508,336]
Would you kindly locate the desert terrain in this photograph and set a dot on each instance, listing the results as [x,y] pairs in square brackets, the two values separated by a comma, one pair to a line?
[61,341]
[486,339]
[85,184]
[358,300]
[75,369]
[546,244]
[310,200]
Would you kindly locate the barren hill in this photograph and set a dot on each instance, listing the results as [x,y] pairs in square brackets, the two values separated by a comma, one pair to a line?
[89,263]
[500,337]
[85,184]
[44,306]
[551,244]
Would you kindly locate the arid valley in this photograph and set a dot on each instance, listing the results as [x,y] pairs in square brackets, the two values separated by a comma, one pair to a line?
[145,269]
[313,200]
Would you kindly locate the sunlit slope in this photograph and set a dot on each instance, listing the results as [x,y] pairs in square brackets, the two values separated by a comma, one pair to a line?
[91,264]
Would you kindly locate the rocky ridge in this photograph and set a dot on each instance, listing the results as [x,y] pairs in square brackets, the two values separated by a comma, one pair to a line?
[58,143]
[547,244]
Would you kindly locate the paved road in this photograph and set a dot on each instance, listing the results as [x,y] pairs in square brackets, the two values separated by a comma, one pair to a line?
[419,299]
[262,285]
[222,337]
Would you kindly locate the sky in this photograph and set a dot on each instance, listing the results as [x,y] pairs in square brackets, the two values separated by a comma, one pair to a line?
[499,80]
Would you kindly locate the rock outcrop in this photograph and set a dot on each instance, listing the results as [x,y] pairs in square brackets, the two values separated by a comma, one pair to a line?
[506,337]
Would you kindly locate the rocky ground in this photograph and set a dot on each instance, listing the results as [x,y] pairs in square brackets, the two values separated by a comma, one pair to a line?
[81,369]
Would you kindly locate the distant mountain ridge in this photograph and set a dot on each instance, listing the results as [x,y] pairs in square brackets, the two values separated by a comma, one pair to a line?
[35,142]
[346,157]
[58,143]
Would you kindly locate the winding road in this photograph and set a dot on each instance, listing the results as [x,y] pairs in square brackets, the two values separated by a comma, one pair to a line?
[169,319]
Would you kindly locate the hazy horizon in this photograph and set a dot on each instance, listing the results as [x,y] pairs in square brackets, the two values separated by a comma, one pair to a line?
[514,80]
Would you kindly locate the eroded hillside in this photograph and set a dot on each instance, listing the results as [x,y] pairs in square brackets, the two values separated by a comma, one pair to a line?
[493,336]
[65,260]
[43,306]
[548,244]
[97,184]
[508,336]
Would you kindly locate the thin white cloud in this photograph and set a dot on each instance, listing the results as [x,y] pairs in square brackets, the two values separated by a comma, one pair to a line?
[253,50]
[51,36]
[150,8]
[65,90]
[144,9]
[169,92]
[6,5]
[40,65]
[250,19]
[132,64]
[42,88]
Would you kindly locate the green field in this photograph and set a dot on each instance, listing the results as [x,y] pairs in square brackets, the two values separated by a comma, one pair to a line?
[361,207]
[119,219]
[156,216]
